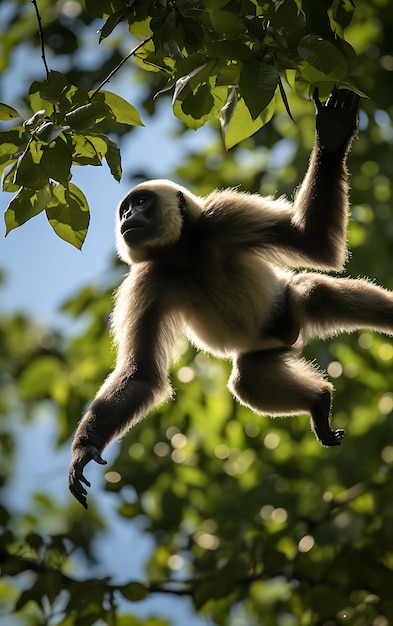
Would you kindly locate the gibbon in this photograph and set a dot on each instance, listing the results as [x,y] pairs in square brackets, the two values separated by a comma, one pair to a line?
[217,269]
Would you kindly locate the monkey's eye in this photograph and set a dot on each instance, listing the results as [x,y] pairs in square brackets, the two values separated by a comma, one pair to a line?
[141,201]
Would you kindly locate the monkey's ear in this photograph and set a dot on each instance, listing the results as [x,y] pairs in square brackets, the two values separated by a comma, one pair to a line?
[183,207]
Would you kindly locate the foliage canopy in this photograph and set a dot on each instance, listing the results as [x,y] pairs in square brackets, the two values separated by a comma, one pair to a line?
[227,62]
[247,517]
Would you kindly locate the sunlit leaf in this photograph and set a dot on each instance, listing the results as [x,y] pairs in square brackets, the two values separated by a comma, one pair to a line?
[113,158]
[240,124]
[258,83]
[322,55]
[88,149]
[30,174]
[7,112]
[122,110]
[26,204]
[68,214]
[38,377]
[87,116]
[12,145]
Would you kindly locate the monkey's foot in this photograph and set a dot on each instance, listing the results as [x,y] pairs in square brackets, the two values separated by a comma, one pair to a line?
[333,439]
[324,434]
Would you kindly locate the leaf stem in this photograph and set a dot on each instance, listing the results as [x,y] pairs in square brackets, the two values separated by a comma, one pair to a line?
[119,65]
[41,34]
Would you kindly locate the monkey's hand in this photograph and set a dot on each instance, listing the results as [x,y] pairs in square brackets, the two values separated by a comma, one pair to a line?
[80,457]
[336,120]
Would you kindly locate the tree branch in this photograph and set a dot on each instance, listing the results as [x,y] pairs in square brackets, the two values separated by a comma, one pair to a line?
[41,34]
[113,72]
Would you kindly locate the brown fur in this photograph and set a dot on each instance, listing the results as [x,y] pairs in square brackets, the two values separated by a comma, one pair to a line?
[221,274]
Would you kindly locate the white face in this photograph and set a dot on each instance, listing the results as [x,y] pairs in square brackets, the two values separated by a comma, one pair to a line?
[148,217]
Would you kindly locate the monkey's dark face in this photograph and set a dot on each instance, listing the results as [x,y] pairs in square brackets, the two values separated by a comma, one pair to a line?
[140,216]
[151,216]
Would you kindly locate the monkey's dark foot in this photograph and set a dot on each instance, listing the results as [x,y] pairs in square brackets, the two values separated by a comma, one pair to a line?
[325,435]
[320,422]
[80,458]
[334,438]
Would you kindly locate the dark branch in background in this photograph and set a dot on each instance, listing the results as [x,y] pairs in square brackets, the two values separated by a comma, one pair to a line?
[113,72]
[41,34]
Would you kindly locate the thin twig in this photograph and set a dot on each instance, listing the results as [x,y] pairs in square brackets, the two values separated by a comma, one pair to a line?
[41,34]
[130,54]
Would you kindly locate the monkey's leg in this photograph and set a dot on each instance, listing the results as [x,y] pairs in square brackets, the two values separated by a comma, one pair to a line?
[325,306]
[277,382]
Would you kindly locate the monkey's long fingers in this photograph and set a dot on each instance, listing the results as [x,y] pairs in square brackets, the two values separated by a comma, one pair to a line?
[79,476]
[77,490]
[343,99]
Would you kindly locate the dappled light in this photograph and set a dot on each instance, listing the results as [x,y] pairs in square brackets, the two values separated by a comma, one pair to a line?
[206,514]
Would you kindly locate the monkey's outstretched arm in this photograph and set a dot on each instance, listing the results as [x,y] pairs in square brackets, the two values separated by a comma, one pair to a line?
[311,232]
[124,399]
[317,226]
[137,384]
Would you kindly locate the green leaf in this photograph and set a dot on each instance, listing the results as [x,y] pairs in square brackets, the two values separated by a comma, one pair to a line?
[8,113]
[225,22]
[96,8]
[195,109]
[99,143]
[29,173]
[87,116]
[123,111]
[112,22]
[86,151]
[258,83]
[8,181]
[39,376]
[25,205]
[200,103]
[12,140]
[38,103]
[195,98]
[134,592]
[48,132]
[229,49]
[68,214]
[35,121]
[12,145]
[54,89]
[56,161]
[113,158]
[342,12]
[323,56]
[191,80]
[237,123]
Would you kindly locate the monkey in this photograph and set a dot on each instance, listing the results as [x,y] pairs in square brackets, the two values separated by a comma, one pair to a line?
[245,277]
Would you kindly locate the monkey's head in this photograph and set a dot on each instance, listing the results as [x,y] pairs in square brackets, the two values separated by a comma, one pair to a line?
[151,216]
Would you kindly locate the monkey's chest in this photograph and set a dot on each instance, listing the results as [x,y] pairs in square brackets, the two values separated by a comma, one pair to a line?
[226,308]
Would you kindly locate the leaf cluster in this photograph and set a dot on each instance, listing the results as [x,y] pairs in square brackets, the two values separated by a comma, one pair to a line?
[224,61]
[68,127]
